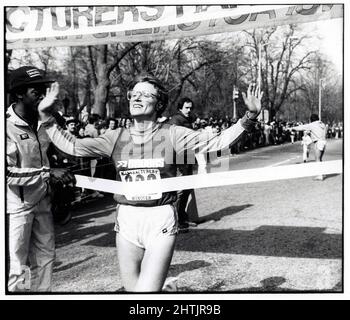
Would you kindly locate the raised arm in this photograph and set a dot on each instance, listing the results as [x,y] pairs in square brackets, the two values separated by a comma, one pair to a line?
[301,127]
[186,139]
[101,146]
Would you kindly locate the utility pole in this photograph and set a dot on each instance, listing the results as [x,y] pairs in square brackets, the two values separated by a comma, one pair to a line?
[320,97]
[259,65]
[261,44]
[234,97]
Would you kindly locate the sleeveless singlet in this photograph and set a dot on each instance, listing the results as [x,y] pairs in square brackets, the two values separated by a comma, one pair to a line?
[153,159]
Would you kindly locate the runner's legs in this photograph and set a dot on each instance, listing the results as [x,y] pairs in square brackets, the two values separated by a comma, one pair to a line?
[155,264]
[145,270]
[130,258]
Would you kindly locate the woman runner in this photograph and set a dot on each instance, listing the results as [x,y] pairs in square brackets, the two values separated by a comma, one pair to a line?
[146,224]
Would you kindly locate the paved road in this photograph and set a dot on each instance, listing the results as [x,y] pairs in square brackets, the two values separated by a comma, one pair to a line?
[261,237]
[275,155]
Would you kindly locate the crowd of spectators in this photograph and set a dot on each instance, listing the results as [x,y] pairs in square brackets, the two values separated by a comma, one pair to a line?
[271,133]
[264,133]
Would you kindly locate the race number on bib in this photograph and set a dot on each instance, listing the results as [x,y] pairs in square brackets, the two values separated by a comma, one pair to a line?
[141,175]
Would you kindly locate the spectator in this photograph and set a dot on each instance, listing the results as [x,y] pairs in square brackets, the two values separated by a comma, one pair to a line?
[90,128]
[102,127]
[197,124]
[30,222]
[128,123]
[112,124]
[81,131]
[183,118]
[71,125]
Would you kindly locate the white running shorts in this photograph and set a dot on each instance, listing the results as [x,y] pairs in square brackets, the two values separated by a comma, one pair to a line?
[143,225]
[321,144]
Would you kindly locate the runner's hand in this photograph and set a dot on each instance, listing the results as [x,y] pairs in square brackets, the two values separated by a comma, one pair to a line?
[46,105]
[253,99]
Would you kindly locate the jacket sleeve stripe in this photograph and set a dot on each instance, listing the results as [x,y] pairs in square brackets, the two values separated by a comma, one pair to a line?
[19,174]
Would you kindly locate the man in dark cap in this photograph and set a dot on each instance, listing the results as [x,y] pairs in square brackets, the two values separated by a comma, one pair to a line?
[30,223]
[71,124]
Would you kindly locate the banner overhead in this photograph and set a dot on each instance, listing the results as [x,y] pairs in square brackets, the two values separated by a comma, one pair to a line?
[30,27]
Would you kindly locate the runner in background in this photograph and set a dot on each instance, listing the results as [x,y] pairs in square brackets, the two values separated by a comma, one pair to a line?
[305,142]
[317,131]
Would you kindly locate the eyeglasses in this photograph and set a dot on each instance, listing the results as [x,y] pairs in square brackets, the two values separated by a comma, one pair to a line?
[135,94]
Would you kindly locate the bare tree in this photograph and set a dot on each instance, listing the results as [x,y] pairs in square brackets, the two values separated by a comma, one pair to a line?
[322,76]
[282,62]
[101,68]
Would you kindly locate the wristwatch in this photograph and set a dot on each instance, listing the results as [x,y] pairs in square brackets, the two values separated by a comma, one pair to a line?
[251,115]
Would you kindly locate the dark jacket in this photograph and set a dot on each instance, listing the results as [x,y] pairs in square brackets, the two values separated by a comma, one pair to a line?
[180,120]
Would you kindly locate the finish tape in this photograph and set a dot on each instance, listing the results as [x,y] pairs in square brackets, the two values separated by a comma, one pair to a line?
[206,180]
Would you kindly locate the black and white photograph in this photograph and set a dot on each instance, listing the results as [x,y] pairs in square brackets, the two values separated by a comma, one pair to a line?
[173,149]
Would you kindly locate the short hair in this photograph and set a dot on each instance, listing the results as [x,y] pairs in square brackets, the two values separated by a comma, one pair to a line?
[14,93]
[93,118]
[314,117]
[183,101]
[163,96]
[112,119]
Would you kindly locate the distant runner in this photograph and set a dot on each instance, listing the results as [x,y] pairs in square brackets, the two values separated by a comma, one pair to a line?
[317,131]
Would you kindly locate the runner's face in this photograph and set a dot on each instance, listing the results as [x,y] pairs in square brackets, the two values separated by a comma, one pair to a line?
[143,100]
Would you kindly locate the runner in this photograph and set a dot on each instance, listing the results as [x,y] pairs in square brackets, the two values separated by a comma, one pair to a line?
[305,142]
[146,224]
[318,135]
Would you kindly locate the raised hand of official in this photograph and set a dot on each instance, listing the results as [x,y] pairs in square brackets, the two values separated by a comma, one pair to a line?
[63,176]
[47,103]
[252,99]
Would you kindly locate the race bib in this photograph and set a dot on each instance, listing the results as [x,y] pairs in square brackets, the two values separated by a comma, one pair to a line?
[141,175]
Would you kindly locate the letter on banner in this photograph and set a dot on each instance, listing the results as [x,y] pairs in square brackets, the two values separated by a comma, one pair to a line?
[10,12]
[30,27]
[67,18]
[123,9]
[271,13]
[86,13]
[145,16]
[98,16]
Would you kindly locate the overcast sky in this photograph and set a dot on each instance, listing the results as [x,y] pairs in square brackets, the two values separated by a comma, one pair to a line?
[332,42]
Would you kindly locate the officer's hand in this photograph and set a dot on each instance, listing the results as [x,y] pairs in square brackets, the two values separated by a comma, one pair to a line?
[63,176]
[46,105]
[253,99]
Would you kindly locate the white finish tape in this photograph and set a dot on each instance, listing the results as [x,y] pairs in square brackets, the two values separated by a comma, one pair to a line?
[211,179]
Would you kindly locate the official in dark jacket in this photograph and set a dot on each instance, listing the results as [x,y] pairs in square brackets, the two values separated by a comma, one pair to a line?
[184,118]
